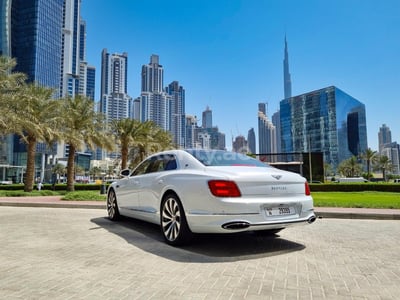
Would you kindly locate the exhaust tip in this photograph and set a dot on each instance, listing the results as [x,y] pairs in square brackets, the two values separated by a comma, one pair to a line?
[311,219]
[236,225]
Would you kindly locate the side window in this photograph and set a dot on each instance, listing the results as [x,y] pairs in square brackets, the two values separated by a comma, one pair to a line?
[141,169]
[170,163]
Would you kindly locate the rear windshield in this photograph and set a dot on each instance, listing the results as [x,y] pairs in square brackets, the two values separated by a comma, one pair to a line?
[225,158]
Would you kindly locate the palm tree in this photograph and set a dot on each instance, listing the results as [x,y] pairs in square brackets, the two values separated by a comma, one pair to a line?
[152,139]
[10,85]
[383,164]
[127,132]
[350,167]
[370,156]
[33,115]
[82,127]
[59,170]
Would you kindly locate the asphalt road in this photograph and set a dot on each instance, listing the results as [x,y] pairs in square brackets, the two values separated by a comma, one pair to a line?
[62,253]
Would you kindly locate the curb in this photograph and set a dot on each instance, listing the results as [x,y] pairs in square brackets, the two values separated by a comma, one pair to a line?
[54,205]
[352,215]
[320,212]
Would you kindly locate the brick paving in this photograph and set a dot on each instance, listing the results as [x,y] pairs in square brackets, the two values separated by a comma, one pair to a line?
[61,253]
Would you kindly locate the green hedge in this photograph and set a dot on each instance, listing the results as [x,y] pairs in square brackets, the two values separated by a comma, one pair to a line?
[56,187]
[355,187]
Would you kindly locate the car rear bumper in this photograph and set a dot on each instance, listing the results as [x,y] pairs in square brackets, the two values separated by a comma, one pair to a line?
[245,222]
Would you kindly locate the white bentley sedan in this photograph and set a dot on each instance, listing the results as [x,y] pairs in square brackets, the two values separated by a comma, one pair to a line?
[210,191]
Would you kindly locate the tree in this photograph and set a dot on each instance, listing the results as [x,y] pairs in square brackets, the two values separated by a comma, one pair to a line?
[10,87]
[82,127]
[127,132]
[370,156]
[350,167]
[383,164]
[59,170]
[152,139]
[33,115]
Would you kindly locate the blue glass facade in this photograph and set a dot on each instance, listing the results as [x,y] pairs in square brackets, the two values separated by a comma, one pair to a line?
[328,121]
[36,39]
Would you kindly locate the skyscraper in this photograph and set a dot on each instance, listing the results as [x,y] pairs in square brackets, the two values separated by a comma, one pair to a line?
[276,120]
[177,118]
[154,101]
[384,137]
[206,120]
[115,103]
[87,74]
[5,27]
[266,131]
[251,138]
[287,82]
[71,43]
[328,121]
[36,39]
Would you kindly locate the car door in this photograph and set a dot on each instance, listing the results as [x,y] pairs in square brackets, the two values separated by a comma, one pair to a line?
[128,189]
[153,182]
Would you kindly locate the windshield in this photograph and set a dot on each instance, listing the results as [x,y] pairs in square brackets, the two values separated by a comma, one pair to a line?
[224,158]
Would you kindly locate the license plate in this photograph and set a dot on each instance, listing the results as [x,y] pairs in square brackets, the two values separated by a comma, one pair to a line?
[280,211]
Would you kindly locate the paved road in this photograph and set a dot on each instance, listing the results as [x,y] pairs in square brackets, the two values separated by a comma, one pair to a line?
[61,253]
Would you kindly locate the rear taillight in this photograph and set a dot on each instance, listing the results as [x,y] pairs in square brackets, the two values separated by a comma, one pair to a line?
[308,193]
[224,188]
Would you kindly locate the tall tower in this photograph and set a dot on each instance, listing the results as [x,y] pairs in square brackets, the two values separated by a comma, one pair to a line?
[154,101]
[384,137]
[115,103]
[71,42]
[177,118]
[251,138]
[153,76]
[206,120]
[266,131]
[36,39]
[287,82]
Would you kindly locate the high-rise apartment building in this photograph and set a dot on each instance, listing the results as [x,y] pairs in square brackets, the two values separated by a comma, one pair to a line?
[251,139]
[71,43]
[384,137]
[266,131]
[328,121]
[206,120]
[240,145]
[276,121]
[177,118]
[115,102]
[287,82]
[154,101]
[87,74]
[392,151]
[163,106]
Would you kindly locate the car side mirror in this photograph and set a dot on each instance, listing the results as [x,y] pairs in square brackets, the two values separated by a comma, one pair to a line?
[125,173]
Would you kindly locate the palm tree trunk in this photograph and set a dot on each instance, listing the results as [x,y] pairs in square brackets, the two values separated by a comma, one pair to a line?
[70,169]
[124,157]
[30,164]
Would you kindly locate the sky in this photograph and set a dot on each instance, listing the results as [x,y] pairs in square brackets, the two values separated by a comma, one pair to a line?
[228,54]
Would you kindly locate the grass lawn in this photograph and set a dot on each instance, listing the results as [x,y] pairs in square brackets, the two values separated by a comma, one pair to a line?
[321,199]
[357,199]
[68,196]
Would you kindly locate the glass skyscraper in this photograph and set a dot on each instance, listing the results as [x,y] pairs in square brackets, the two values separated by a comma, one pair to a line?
[36,39]
[328,121]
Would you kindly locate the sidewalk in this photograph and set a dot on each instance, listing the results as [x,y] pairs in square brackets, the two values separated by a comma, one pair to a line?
[321,212]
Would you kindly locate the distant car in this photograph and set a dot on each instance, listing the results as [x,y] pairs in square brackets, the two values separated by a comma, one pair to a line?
[208,191]
[352,179]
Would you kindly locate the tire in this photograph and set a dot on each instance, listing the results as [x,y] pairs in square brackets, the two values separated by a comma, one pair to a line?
[174,226]
[112,206]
